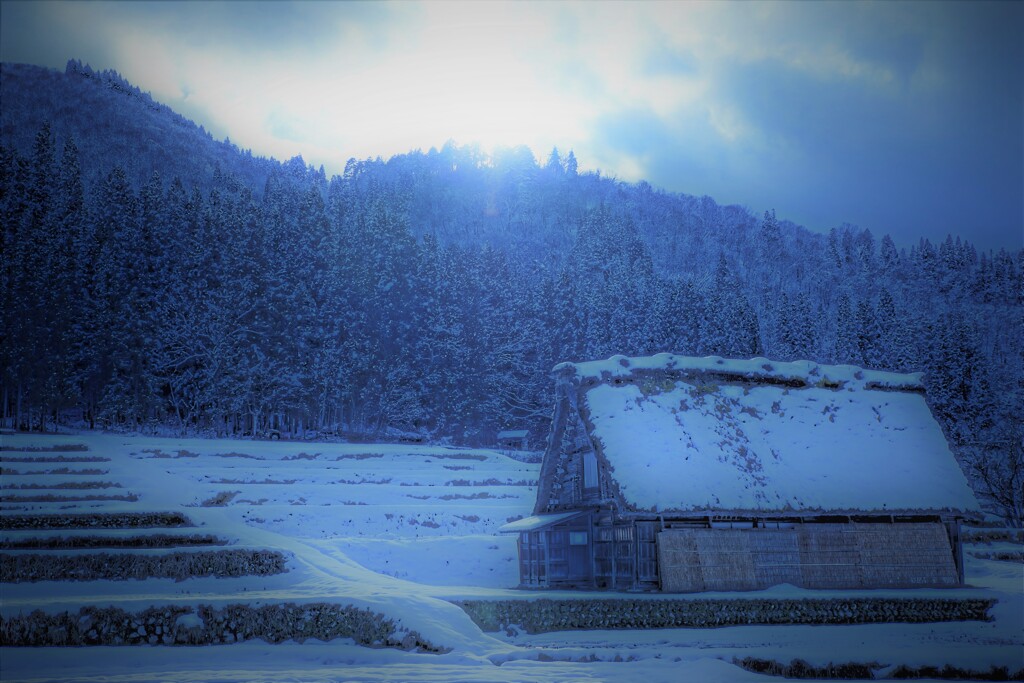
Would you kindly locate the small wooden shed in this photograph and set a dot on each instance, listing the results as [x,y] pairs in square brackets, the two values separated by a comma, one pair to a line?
[689,474]
[514,439]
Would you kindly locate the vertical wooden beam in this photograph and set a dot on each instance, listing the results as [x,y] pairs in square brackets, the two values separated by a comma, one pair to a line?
[592,543]
[546,537]
[615,558]
[634,551]
[957,546]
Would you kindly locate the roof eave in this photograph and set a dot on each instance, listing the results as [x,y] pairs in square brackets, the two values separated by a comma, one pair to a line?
[975,515]
[538,522]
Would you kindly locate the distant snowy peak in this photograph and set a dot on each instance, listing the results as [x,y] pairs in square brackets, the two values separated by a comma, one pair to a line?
[801,373]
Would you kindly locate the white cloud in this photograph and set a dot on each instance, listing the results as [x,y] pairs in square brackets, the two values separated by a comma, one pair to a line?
[498,74]
[691,93]
[466,71]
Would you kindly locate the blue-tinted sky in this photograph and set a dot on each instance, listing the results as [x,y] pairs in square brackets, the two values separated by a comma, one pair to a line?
[903,117]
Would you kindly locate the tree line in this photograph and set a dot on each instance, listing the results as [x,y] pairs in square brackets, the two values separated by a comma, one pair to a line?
[431,294]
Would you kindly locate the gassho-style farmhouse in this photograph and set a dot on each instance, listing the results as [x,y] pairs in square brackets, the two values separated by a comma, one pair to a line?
[697,474]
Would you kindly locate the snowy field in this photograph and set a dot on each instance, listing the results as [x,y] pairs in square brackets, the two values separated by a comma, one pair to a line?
[401,530]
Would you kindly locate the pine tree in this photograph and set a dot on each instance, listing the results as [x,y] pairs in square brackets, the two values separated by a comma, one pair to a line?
[679,311]
[865,252]
[555,164]
[571,167]
[959,388]
[888,256]
[834,256]
[796,333]
[769,243]
[731,327]
[895,346]
[122,309]
[868,335]
[16,332]
[847,347]
[46,271]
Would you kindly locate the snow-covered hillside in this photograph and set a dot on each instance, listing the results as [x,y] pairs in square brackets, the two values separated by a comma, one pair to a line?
[401,531]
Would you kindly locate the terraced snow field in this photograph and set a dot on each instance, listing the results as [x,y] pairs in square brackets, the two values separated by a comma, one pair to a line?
[220,560]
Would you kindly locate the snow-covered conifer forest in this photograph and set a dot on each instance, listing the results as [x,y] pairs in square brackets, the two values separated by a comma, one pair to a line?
[155,279]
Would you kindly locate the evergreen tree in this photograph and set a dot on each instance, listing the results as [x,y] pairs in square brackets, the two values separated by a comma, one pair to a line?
[731,326]
[889,258]
[959,388]
[796,332]
[769,243]
[571,167]
[677,321]
[847,345]
[834,256]
[895,346]
[122,311]
[868,335]
[17,328]
[865,251]
[555,164]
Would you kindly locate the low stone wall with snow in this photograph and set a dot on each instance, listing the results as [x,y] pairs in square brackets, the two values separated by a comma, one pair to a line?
[96,520]
[543,615]
[207,625]
[93,542]
[31,567]
[801,669]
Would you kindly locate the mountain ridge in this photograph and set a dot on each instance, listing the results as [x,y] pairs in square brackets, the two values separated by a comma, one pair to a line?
[126,114]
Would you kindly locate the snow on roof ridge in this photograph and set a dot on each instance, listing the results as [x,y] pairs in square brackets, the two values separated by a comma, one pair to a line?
[808,372]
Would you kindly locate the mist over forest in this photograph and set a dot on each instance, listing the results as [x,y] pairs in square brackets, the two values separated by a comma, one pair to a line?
[157,280]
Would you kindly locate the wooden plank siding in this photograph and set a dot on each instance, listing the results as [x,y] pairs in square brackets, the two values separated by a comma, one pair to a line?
[559,555]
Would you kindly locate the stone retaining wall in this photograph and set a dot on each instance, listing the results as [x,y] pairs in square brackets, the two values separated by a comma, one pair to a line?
[800,669]
[97,520]
[543,615]
[207,625]
[29,568]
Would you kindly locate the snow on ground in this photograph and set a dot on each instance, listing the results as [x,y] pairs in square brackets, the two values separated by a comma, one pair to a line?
[401,530]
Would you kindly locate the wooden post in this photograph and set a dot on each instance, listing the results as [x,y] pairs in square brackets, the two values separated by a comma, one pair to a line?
[953,531]
[614,558]
[636,556]
[546,536]
[592,543]
[17,407]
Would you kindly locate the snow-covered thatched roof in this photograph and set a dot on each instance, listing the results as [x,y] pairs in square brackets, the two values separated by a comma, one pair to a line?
[711,434]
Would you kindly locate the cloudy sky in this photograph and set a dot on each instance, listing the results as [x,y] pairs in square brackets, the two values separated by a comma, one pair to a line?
[903,117]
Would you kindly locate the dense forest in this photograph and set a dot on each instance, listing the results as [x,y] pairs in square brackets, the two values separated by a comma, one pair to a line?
[156,279]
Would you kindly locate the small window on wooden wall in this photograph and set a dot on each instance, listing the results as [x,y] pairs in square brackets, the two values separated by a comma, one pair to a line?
[577,538]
